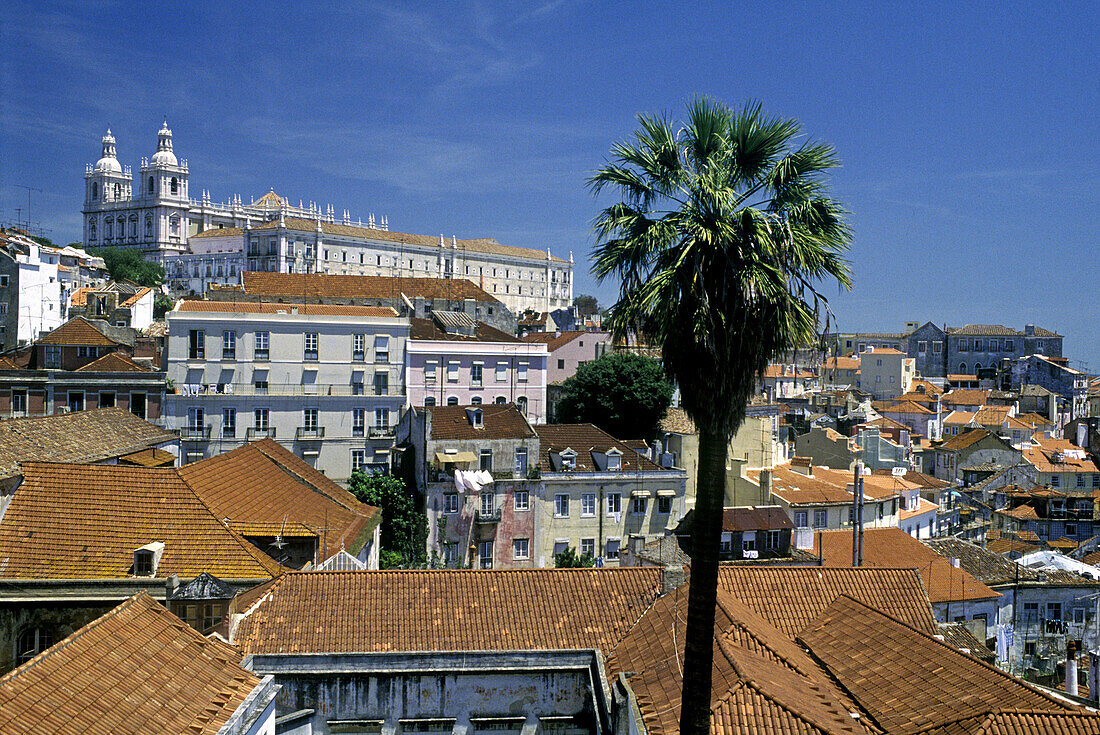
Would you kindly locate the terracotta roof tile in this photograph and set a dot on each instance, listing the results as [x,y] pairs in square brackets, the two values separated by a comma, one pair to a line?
[447,610]
[499,421]
[80,436]
[964,440]
[584,439]
[554,340]
[152,457]
[1058,455]
[426,329]
[862,647]
[892,548]
[113,362]
[310,286]
[827,485]
[261,486]
[77,331]
[676,421]
[255,307]
[102,679]
[959,637]
[756,518]
[987,565]
[70,521]
[965,397]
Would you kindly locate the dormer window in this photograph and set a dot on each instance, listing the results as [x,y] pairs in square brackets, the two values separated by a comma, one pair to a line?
[476,417]
[147,558]
[614,460]
[568,460]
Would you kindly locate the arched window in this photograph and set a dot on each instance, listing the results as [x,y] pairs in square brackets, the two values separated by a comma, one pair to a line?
[91,230]
[962,368]
[174,225]
[475,401]
[148,227]
[30,643]
[152,186]
[501,399]
[95,190]
[977,367]
[107,228]
[173,185]
[452,400]
[133,226]
[118,191]
[521,404]
[429,400]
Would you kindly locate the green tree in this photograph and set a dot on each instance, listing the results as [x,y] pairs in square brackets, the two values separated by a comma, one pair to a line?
[724,233]
[569,559]
[586,305]
[126,264]
[404,526]
[623,393]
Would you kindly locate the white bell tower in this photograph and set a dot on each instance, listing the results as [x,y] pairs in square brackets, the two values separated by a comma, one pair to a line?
[106,185]
[163,191]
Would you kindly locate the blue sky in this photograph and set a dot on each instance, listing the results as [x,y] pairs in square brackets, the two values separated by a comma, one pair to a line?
[969,132]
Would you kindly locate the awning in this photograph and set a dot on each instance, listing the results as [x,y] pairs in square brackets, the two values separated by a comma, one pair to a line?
[641,494]
[442,457]
[666,493]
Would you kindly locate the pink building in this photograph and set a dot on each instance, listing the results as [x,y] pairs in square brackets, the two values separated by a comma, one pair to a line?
[452,360]
[570,350]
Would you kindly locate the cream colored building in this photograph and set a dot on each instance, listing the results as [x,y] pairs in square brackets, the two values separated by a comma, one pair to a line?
[885,373]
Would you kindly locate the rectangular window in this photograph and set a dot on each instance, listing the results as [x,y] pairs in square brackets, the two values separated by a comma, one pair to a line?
[922,346]
[358,347]
[519,548]
[1010,345]
[748,541]
[521,461]
[521,372]
[309,419]
[382,384]
[229,345]
[637,505]
[588,505]
[358,421]
[358,459]
[964,345]
[485,554]
[614,462]
[1054,611]
[450,502]
[664,505]
[819,518]
[452,372]
[450,554]
[311,346]
[381,349]
[229,422]
[261,417]
[486,460]
[979,345]
[614,503]
[486,504]
[53,356]
[1080,479]
[195,416]
[76,400]
[937,347]
[196,344]
[476,371]
[1055,481]
[771,540]
[502,372]
[381,418]
[613,549]
[137,404]
[19,402]
[263,340]
[521,500]
[561,364]
[561,505]
[588,547]
[429,371]
[800,519]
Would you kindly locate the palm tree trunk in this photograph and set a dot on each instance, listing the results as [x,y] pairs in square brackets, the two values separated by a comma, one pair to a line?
[706,538]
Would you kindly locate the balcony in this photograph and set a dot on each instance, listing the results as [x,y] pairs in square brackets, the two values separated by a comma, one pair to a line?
[309,432]
[257,432]
[195,433]
[492,516]
[291,390]
[381,432]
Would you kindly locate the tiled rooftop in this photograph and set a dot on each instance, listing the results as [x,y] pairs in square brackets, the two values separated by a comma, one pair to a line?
[584,439]
[79,332]
[892,548]
[137,670]
[255,307]
[1058,455]
[448,610]
[965,397]
[311,286]
[554,340]
[827,485]
[79,436]
[676,421]
[986,565]
[964,440]
[426,329]
[263,483]
[936,685]
[113,362]
[70,521]
[498,421]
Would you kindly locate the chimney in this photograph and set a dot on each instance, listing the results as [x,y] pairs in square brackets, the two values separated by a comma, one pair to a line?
[766,485]
[1029,330]
[1071,667]
[803,466]
[672,576]
[1082,434]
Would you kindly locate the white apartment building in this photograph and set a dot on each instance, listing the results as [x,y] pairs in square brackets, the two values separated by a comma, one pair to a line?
[325,381]
[886,373]
[32,295]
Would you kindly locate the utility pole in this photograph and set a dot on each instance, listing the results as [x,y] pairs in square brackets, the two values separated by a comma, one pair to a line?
[857,515]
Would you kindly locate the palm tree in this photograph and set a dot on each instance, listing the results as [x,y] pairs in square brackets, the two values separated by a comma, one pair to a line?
[723,236]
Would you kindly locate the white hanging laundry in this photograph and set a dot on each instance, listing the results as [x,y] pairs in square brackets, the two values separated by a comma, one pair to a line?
[228,388]
[459,485]
[483,476]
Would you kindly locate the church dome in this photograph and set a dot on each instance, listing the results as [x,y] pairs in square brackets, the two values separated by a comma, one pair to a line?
[108,163]
[164,154]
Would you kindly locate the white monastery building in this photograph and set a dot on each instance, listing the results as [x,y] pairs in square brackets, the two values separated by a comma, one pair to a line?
[201,242]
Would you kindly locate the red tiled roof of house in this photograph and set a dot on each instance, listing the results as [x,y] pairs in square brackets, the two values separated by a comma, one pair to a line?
[841,363]
[935,687]
[676,421]
[553,340]
[70,521]
[826,486]
[113,362]
[79,332]
[755,518]
[1058,455]
[965,397]
[964,440]
[498,421]
[992,415]
[584,439]
[79,436]
[256,307]
[138,670]
[426,329]
[263,483]
[906,406]
[892,548]
[447,610]
[151,457]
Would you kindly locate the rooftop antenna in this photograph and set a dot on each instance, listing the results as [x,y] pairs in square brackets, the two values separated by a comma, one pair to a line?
[278,543]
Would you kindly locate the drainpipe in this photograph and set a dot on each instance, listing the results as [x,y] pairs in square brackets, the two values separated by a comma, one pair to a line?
[1071,667]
